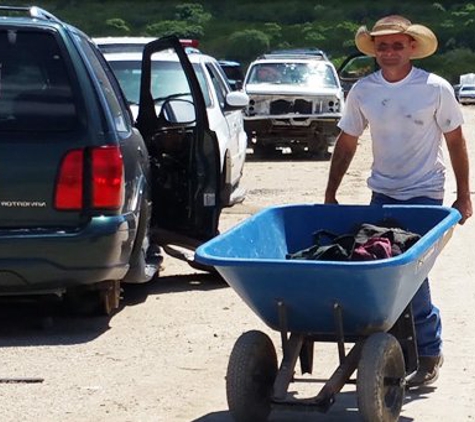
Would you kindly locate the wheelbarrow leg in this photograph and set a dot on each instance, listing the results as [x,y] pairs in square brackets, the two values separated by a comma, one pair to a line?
[306,356]
[287,368]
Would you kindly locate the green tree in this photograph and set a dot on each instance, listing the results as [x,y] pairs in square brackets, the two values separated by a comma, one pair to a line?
[451,64]
[193,13]
[119,26]
[181,29]
[246,45]
[274,32]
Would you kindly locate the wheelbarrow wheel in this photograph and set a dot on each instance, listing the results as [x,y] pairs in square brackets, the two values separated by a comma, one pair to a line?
[252,369]
[380,379]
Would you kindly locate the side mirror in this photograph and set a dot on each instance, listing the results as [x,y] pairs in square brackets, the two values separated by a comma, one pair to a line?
[237,100]
[178,112]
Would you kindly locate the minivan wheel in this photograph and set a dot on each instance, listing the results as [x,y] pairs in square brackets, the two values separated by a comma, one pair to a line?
[100,299]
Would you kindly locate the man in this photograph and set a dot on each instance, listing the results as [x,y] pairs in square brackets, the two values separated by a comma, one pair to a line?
[268,74]
[409,112]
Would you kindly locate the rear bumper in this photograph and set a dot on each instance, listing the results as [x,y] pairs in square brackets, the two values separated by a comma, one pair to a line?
[50,261]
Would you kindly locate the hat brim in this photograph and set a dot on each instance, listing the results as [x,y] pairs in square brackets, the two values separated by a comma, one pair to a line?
[426,41]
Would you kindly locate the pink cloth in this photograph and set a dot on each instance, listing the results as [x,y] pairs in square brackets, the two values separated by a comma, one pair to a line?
[374,248]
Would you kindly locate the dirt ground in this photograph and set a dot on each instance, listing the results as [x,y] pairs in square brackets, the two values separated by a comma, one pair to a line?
[163,356]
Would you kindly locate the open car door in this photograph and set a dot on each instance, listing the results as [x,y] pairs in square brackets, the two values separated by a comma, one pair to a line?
[355,67]
[184,153]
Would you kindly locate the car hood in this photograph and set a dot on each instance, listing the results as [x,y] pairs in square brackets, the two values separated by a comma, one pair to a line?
[284,89]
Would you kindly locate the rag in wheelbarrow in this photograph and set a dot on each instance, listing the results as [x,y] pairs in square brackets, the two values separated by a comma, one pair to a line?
[368,242]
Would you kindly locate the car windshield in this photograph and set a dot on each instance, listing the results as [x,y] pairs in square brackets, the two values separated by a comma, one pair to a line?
[468,88]
[168,79]
[314,74]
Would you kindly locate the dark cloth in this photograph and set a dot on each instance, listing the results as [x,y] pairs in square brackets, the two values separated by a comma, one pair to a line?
[368,242]
[400,240]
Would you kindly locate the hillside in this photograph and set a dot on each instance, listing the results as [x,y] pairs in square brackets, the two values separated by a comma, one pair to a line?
[242,30]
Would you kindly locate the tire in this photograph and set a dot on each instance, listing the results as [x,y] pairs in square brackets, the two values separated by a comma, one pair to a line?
[380,380]
[264,151]
[137,273]
[98,300]
[250,377]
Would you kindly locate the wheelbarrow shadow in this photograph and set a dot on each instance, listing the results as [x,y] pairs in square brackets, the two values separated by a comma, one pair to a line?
[344,410]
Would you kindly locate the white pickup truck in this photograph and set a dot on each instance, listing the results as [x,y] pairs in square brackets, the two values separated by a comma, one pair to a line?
[295,102]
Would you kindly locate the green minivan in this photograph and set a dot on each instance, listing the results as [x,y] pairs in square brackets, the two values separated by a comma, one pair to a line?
[87,196]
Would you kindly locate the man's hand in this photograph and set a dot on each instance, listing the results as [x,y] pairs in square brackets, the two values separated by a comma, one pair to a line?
[464,206]
[457,147]
[330,199]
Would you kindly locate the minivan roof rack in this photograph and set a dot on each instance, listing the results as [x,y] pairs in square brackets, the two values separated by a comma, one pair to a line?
[33,11]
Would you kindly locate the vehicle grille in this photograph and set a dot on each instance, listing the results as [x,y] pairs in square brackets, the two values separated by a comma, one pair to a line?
[284,107]
[265,105]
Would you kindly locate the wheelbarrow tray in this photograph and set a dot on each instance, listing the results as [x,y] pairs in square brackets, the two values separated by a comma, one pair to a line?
[371,295]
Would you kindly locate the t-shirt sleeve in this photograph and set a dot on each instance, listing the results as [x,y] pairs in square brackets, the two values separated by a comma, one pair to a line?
[449,114]
[352,120]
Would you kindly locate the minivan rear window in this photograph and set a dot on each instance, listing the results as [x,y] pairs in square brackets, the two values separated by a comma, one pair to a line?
[35,90]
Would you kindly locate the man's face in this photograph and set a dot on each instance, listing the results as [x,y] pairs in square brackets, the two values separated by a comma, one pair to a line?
[393,51]
[265,73]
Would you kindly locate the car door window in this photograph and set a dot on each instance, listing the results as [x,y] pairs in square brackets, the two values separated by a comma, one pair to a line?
[203,84]
[218,84]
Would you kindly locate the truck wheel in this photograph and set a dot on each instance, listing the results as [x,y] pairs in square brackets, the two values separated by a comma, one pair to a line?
[263,151]
[380,381]
[250,377]
[318,147]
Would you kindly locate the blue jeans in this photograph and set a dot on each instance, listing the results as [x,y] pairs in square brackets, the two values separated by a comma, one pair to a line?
[426,315]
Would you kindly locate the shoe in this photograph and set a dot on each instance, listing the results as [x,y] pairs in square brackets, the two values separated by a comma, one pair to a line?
[427,372]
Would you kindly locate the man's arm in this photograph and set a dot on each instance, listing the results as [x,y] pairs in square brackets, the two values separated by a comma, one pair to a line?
[343,153]
[457,147]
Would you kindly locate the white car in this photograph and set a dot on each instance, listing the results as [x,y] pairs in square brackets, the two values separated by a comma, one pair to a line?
[296,101]
[224,106]
[136,44]
[466,94]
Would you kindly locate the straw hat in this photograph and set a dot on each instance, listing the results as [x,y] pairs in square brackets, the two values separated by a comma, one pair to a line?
[426,41]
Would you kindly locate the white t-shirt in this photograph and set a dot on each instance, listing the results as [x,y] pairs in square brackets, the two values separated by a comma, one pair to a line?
[407,120]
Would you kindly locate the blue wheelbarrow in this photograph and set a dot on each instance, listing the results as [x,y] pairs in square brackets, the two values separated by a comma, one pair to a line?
[366,303]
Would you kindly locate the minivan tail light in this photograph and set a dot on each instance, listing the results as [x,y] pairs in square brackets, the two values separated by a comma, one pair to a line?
[104,175]
[107,177]
[69,188]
